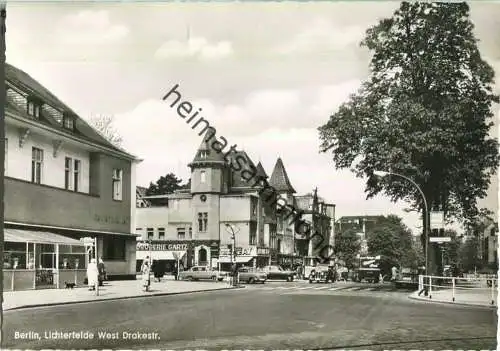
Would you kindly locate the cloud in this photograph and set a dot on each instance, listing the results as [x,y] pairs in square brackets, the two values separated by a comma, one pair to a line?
[194,47]
[322,36]
[90,28]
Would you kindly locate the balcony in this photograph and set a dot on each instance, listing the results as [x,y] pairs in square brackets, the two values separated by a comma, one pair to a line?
[30,203]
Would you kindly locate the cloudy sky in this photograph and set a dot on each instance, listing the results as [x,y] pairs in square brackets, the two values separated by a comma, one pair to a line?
[265,75]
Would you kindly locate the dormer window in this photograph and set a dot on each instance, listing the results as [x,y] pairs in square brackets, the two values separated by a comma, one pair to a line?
[203,153]
[34,109]
[68,122]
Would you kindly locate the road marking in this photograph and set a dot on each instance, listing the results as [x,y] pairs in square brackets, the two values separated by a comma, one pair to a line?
[321,288]
[333,289]
[307,287]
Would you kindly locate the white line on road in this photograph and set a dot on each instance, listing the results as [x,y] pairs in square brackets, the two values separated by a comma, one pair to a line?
[321,288]
[307,287]
[333,289]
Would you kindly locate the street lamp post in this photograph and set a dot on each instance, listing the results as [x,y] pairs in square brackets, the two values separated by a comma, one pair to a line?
[233,250]
[425,214]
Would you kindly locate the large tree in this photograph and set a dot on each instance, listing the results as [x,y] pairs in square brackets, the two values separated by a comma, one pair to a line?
[347,246]
[392,239]
[166,184]
[425,112]
[105,125]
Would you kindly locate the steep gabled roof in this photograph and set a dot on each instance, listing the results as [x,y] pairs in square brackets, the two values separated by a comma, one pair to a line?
[206,153]
[237,180]
[279,179]
[27,84]
[260,171]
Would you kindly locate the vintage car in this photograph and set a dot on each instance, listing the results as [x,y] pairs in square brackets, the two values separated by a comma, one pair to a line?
[321,274]
[200,273]
[370,275]
[251,275]
[278,273]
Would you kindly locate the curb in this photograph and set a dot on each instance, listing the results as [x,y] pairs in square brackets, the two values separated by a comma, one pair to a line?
[451,302]
[116,298]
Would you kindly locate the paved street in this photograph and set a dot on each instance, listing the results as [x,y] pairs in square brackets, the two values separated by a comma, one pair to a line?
[257,317]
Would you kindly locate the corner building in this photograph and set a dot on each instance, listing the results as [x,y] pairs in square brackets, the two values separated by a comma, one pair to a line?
[63,181]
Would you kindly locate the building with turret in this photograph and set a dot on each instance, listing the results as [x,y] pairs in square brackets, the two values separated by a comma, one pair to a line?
[221,211]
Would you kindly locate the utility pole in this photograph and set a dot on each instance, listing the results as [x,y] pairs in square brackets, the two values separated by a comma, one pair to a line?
[3,98]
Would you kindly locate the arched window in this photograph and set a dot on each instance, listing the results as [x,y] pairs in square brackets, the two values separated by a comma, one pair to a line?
[202,257]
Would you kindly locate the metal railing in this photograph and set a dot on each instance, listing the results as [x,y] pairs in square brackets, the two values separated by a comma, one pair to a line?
[476,290]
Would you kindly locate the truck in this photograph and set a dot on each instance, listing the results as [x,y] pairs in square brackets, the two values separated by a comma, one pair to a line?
[368,269]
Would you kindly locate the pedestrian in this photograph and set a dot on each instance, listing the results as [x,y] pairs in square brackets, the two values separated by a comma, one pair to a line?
[176,271]
[234,274]
[102,271]
[157,270]
[146,271]
[394,273]
[92,274]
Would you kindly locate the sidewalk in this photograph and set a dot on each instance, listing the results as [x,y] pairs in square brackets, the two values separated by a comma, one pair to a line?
[112,290]
[471,297]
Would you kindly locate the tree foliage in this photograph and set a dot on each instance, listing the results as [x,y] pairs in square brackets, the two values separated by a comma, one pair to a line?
[452,249]
[469,258]
[425,111]
[347,246]
[392,239]
[105,125]
[164,185]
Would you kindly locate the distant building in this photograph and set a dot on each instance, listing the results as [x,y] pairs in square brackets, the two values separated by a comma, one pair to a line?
[63,181]
[196,223]
[489,243]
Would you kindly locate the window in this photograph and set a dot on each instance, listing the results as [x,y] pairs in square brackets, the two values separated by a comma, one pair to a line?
[150,232]
[113,249]
[203,177]
[181,233]
[253,237]
[36,165]
[117,184]
[202,221]
[5,156]
[161,233]
[254,207]
[138,230]
[68,169]
[33,109]
[71,174]
[68,122]
[203,153]
[76,175]
[190,233]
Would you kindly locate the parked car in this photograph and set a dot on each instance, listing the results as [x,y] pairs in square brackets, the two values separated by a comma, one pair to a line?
[278,273]
[322,274]
[200,273]
[371,275]
[251,275]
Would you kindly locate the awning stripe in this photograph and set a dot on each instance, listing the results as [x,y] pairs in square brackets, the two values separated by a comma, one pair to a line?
[31,236]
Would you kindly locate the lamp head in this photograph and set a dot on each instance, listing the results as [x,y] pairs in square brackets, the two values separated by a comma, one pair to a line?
[228,225]
[380,173]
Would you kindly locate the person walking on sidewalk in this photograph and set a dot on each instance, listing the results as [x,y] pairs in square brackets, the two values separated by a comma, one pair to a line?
[146,271]
[92,274]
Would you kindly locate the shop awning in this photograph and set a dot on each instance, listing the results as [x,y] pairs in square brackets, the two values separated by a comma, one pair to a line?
[31,236]
[239,259]
[160,255]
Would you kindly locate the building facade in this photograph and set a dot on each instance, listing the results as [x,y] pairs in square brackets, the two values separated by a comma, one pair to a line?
[221,211]
[62,178]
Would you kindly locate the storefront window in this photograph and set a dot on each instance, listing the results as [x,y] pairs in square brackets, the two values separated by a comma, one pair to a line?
[113,249]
